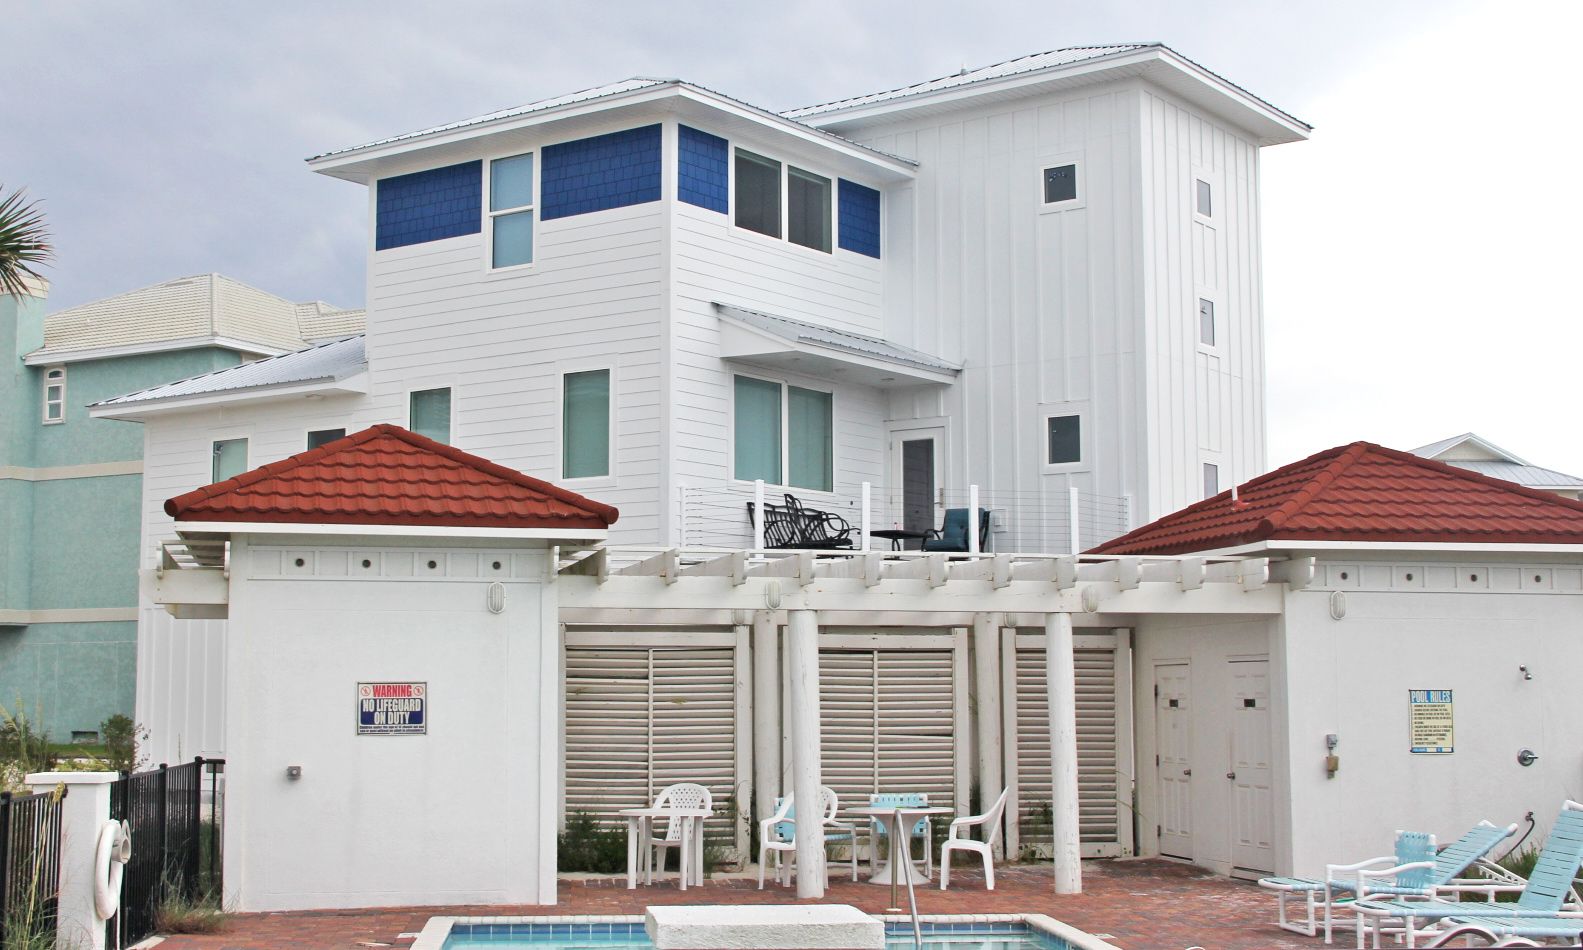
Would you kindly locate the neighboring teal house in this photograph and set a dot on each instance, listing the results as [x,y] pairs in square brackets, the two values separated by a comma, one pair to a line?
[71,486]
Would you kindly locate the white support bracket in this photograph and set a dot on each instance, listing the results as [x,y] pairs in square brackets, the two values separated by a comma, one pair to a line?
[1001,576]
[873,568]
[1190,574]
[939,571]
[1253,573]
[1297,573]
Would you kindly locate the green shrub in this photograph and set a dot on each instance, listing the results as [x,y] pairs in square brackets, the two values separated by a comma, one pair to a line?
[123,740]
[24,746]
[178,913]
[587,844]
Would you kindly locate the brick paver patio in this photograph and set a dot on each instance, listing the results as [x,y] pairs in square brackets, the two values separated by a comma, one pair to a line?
[1140,903]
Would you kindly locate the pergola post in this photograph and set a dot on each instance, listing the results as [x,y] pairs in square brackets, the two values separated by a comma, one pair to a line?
[766,715]
[1061,676]
[986,683]
[802,636]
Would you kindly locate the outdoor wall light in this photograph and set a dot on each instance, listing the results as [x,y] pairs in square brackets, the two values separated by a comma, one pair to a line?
[1526,758]
[1338,605]
[1527,675]
[294,772]
[496,601]
[1332,761]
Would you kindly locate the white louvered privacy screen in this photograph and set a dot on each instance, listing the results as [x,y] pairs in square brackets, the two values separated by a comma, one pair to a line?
[887,723]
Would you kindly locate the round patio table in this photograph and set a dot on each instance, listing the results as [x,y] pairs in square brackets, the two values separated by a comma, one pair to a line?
[896,817]
[691,865]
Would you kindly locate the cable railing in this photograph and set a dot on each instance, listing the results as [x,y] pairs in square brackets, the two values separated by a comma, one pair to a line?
[1053,521]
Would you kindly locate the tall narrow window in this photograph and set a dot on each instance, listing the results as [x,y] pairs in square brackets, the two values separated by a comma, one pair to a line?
[55,396]
[757,429]
[429,413]
[1205,199]
[511,210]
[1064,440]
[319,437]
[807,209]
[758,193]
[230,459]
[810,439]
[1211,479]
[585,424]
[1206,322]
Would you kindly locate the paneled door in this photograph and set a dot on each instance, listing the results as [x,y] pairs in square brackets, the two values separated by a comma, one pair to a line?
[1252,801]
[1173,738]
[915,456]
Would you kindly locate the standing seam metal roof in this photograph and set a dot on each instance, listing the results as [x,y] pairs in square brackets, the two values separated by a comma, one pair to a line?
[336,359]
[797,330]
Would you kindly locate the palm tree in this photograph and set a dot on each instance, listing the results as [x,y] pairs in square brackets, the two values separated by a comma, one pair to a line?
[24,241]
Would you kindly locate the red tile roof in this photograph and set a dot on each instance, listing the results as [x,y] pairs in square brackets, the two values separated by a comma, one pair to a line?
[386,475]
[1362,492]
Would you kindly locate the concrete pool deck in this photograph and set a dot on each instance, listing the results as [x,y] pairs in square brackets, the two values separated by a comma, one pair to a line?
[1138,903]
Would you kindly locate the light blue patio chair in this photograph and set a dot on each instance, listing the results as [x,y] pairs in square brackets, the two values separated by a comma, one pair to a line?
[1538,911]
[879,831]
[778,834]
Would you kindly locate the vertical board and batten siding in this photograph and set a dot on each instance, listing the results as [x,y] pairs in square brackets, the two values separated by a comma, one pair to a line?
[1103,751]
[887,723]
[639,719]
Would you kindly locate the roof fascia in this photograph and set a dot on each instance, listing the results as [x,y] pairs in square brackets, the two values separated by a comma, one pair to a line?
[1422,547]
[744,341]
[350,384]
[577,535]
[46,357]
[801,130]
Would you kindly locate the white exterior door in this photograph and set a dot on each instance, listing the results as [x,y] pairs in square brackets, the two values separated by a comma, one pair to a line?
[1252,802]
[912,502]
[1173,737]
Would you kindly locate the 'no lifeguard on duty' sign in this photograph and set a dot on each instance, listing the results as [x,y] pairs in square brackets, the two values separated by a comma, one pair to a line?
[392,709]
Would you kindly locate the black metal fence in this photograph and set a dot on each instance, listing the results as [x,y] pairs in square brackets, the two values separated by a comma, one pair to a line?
[176,814]
[29,864]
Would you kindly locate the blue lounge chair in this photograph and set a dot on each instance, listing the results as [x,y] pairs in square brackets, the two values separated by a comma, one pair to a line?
[1537,912]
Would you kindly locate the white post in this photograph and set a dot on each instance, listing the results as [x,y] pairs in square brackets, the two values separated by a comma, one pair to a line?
[83,812]
[1071,517]
[758,514]
[681,515]
[802,635]
[1061,676]
[742,668]
[986,683]
[766,715]
[972,519]
[868,519]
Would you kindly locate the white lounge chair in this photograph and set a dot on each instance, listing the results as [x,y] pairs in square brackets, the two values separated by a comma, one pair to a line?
[680,795]
[778,834]
[984,849]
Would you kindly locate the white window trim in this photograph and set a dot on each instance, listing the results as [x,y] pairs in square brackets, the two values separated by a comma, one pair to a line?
[247,453]
[1048,411]
[346,431]
[785,474]
[1217,204]
[608,479]
[489,216]
[1055,161]
[430,388]
[1217,347]
[1220,476]
[784,243]
[54,378]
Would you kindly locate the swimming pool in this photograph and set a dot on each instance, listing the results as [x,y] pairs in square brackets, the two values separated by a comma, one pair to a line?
[981,932]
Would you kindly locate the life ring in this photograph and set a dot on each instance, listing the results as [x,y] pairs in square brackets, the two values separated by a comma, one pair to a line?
[114,850]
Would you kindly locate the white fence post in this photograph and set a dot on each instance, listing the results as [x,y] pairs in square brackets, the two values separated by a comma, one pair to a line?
[758,514]
[868,518]
[83,812]
[972,519]
[1072,516]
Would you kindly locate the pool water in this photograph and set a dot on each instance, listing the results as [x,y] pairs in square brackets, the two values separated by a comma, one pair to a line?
[936,936]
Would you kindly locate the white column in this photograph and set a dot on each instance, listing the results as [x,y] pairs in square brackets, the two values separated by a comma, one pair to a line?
[766,715]
[802,635]
[745,735]
[986,685]
[972,519]
[868,518]
[1073,513]
[83,812]
[1061,674]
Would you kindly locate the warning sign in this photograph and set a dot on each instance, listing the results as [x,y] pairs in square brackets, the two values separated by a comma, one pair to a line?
[1431,726]
[392,709]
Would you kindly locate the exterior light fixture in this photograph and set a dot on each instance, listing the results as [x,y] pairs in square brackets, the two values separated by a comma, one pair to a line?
[496,600]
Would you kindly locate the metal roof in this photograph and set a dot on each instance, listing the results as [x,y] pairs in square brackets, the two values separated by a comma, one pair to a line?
[1530,475]
[336,359]
[800,332]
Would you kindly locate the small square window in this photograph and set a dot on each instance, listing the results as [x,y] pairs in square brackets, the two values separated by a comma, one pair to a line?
[1205,199]
[319,437]
[230,459]
[1060,183]
[1064,440]
[1211,479]
[1206,322]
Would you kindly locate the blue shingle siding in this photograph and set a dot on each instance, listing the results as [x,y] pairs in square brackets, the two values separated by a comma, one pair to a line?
[429,205]
[859,218]
[702,170]
[606,171]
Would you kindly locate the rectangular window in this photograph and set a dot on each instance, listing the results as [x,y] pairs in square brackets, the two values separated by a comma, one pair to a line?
[1205,204]
[810,439]
[319,437]
[585,424]
[1060,183]
[1064,440]
[807,209]
[757,427]
[55,396]
[758,194]
[429,414]
[230,459]
[1206,322]
[511,211]
[1211,479]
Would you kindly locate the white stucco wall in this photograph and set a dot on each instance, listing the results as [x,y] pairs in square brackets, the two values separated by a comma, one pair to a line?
[463,814]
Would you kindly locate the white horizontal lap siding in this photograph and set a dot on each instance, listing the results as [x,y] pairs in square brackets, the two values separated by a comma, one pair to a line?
[639,719]
[1100,789]
[886,723]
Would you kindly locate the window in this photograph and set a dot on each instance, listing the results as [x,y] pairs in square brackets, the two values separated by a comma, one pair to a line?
[1206,322]
[1060,183]
[1064,440]
[808,209]
[758,194]
[429,414]
[230,459]
[1211,479]
[511,211]
[585,424]
[319,437]
[800,454]
[55,396]
[1205,205]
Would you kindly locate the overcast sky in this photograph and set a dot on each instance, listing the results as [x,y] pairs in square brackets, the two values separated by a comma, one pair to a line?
[1420,252]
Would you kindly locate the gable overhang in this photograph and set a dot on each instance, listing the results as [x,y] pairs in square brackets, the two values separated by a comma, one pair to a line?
[742,343]
[1298,546]
[48,357]
[713,112]
[350,385]
[1163,67]
[224,530]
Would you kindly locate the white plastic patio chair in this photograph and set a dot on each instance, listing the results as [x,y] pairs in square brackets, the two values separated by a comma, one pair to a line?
[778,834]
[984,849]
[680,795]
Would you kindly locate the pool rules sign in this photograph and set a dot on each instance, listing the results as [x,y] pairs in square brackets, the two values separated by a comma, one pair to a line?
[392,709]
[1431,722]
